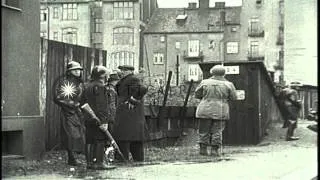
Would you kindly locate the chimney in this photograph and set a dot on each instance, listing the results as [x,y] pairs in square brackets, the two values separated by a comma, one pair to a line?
[219,4]
[192,5]
[203,4]
[222,17]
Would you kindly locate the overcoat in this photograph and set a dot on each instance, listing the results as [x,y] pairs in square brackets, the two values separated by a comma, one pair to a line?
[95,94]
[67,95]
[130,124]
[291,105]
[215,94]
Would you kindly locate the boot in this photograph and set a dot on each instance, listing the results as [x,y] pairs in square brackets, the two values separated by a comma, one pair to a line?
[99,154]
[89,155]
[290,133]
[71,159]
[203,149]
[215,151]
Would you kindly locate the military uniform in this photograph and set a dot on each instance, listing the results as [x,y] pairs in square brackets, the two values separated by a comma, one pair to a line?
[112,105]
[95,94]
[213,109]
[67,95]
[292,107]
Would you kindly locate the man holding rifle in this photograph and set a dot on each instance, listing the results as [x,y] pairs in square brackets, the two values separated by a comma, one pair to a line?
[95,96]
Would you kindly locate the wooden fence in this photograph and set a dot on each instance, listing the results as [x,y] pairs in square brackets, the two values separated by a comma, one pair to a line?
[54,58]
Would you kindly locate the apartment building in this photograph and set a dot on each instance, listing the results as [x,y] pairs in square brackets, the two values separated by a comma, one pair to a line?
[178,39]
[111,25]
[263,33]
[253,31]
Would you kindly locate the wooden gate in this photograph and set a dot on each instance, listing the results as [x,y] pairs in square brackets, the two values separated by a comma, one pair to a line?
[54,58]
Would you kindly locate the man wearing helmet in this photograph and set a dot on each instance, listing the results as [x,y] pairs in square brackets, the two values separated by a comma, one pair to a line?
[67,95]
[95,95]
[213,109]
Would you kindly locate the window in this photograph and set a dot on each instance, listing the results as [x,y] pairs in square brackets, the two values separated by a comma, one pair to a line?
[158,58]
[11,3]
[232,47]
[123,10]
[43,15]
[254,48]
[69,35]
[193,48]
[70,11]
[121,58]
[123,36]
[254,25]
[43,34]
[55,36]
[55,13]
[98,25]
[177,45]
[194,72]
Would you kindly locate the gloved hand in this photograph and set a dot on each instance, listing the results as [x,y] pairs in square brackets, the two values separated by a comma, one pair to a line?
[130,105]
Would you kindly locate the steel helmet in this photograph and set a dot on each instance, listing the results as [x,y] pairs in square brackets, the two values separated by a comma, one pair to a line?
[72,65]
[217,70]
[99,72]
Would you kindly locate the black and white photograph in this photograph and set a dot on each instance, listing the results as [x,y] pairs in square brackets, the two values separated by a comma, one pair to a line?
[159,89]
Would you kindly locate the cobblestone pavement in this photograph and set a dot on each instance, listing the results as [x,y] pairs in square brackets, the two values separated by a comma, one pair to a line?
[273,158]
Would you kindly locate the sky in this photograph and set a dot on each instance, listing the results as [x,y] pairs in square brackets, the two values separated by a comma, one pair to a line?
[184,3]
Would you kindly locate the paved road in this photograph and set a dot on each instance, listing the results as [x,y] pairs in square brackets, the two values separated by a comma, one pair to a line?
[273,159]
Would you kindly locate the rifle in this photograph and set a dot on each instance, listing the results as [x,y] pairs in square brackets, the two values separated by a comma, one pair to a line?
[86,107]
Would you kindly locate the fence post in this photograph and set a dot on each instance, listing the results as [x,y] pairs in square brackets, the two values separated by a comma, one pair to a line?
[70,53]
[43,76]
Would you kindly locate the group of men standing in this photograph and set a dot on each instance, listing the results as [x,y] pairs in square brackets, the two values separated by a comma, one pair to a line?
[116,99]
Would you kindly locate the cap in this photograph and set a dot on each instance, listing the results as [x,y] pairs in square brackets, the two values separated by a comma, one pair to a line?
[218,70]
[126,67]
[113,77]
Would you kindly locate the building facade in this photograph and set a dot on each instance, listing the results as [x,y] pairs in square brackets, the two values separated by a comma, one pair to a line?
[263,28]
[22,125]
[178,39]
[250,32]
[110,25]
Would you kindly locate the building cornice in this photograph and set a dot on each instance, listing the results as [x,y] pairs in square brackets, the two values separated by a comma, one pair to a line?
[195,32]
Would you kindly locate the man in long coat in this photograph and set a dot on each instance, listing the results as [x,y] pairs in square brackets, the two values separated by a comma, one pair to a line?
[129,127]
[67,95]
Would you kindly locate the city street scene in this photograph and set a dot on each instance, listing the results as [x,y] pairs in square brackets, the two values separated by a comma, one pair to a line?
[159,89]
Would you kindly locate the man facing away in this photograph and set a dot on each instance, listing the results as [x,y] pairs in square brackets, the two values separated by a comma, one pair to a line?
[130,123]
[213,109]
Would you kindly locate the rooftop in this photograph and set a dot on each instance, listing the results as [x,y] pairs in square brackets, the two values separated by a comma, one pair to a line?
[181,20]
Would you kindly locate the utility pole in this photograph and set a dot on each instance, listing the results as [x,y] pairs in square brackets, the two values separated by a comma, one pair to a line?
[177,70]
